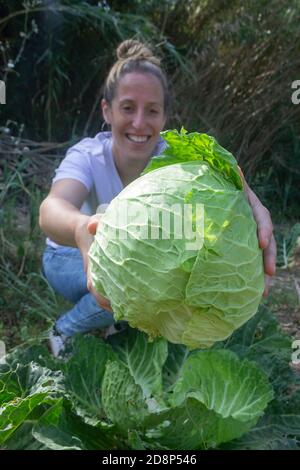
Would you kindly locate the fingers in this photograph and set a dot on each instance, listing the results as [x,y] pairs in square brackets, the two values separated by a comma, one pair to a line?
[269,255]
[93,224]
[102,301]
[264,227]
[86,238]
[265,235]
[262,218]
[266,240]
[267,285]
[241,174]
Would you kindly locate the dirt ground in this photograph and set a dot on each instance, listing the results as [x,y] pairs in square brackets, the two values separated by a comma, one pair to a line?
[284,299]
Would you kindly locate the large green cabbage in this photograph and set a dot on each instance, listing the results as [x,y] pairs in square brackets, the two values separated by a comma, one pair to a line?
[190,293]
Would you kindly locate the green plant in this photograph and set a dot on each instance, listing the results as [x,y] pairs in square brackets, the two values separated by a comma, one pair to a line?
[127,393]
[184,263]
[28,304]
[286,246]
[62,83]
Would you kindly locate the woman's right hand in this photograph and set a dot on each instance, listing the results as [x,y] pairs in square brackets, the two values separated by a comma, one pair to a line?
[92,229]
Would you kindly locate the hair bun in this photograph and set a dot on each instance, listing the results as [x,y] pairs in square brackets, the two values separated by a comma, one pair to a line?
[132,49]
[134,57]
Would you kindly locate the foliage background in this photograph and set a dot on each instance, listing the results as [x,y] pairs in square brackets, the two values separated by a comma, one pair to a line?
[231,65]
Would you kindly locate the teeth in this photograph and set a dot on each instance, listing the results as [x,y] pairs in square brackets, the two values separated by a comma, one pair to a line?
[138,138]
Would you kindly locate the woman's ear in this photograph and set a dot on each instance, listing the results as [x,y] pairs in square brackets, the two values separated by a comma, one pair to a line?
[106,111]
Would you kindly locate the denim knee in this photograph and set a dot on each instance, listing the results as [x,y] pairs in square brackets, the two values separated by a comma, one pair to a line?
[64,270]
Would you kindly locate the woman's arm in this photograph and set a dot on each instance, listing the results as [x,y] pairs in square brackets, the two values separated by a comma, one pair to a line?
[62,221]
[265,235]
[60,216]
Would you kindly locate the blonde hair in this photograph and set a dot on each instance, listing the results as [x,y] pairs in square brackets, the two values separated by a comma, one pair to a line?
[133,56]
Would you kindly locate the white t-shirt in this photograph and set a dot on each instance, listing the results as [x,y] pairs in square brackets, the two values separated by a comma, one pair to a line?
[91,162]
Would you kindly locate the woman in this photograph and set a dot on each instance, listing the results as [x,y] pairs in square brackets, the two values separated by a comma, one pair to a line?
[135,105]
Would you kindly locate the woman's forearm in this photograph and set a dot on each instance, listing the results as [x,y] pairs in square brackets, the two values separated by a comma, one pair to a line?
[61,221]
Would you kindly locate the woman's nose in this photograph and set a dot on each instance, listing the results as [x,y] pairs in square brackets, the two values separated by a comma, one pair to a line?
[139,119]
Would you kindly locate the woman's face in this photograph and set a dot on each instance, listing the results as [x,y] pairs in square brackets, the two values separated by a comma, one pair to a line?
[136,116]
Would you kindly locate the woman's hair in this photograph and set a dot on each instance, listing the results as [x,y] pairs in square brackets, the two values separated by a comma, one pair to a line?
[133,56]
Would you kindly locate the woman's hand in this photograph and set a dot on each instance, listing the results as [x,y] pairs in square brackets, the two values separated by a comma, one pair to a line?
[102,301]
[265,235]
[84,236]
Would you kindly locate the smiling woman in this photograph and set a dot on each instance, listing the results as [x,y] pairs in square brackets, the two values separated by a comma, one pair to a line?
[137,116]
[135,104]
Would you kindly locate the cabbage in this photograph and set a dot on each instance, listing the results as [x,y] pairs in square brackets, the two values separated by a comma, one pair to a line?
[176,251]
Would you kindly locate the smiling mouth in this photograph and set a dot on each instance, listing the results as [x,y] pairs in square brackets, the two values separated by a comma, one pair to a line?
[138,139]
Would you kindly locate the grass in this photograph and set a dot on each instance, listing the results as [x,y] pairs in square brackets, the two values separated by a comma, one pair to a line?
[28,305]
[284,297]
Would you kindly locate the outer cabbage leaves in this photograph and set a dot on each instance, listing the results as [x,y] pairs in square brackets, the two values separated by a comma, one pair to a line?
[193,288]
[131,393]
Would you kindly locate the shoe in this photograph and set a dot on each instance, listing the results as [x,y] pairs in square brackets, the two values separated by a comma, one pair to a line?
[115,328]
[57,342]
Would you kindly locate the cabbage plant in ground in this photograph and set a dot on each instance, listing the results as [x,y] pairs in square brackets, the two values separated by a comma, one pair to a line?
[128,393]
[192,288]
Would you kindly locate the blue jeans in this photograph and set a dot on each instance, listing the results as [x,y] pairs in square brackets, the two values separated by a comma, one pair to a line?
[63,268]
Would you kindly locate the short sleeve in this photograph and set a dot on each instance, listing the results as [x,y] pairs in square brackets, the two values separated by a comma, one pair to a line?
[76,165]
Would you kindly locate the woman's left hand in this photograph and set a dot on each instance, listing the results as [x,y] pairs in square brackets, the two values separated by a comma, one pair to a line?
[265,235]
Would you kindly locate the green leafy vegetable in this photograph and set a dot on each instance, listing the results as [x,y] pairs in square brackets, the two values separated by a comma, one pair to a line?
[137,391]
[129,393]
[196,286]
